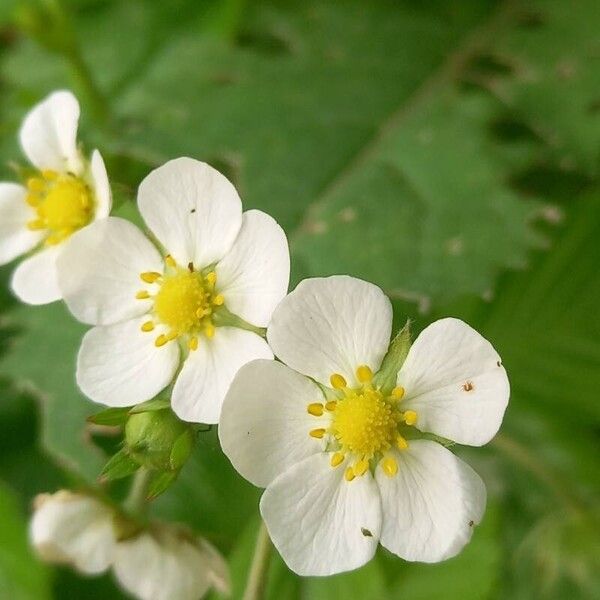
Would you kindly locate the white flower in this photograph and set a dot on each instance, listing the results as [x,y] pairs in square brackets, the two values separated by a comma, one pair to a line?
[73,528]
[66,194]
[163,563]
[154,309]
[342,463]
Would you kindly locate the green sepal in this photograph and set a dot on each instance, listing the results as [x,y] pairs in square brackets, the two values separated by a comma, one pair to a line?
[110,417]
[119,466]
[182,448]
[150,405]
[387,375]
[161,481]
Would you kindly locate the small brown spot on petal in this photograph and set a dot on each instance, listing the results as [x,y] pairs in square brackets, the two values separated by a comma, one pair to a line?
[471,523]
[366,532]
[499,363]
[468,386]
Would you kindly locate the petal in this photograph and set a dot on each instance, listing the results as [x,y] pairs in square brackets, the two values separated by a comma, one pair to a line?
[161,566]
[193,210]
[15,213]
[119,365]
[99,271]
[208,371]
[456,383]
[49,133]
[332,325]
[35,280]
[264,426]
[431,505]
[319,522]
[101,185]
[75,529]
[255,274]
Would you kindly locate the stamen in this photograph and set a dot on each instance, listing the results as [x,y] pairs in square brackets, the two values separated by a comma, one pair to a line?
[150,276]
[36,225]
[209,330]
[360,468]
[193,343]
[211,278]
[170,261]
[218,300]
[49,174]
[410,417]
[330,406]
[401,442]
[315,409]
[337,381]
[35,184]
[143,295]
[337,459]
[398,393]
[33,200]
[317,433]
[148,326]
[389,466]
[364,374]
[349,474]
[161,340]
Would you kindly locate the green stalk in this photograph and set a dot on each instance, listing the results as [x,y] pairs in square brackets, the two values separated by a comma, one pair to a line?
[135,503]
[257,577]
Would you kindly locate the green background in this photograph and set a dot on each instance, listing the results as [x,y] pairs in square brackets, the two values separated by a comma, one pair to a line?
[448,151]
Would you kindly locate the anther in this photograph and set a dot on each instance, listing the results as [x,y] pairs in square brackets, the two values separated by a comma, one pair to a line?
[410,417]
[149,276]
[193,343]
[36,225]
[360,468]
[49,175]
[211,278]
[218,300]
[401,442]
[398,393]
[337,459]
[148,326]
[142,295]
[317,433]
[389,466]
[349,474]
[337,381]
[364,374]
[209,330]
[315,409]
[161,340]
[330,406]
[170,261]
[35,184]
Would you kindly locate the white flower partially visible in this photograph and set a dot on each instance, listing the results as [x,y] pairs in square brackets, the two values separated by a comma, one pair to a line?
[74,529]
[164,563]
[66,194]
[342,462]
[155,311]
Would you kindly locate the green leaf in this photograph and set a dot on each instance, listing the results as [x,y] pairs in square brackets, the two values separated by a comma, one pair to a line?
[120,465]
[22,577]
[387,375]
[110,417]
[181,451]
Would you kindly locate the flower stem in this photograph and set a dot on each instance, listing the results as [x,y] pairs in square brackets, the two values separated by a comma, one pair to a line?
[135,503]
[257,578]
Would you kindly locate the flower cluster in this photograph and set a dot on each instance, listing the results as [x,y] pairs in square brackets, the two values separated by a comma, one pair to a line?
[348,430]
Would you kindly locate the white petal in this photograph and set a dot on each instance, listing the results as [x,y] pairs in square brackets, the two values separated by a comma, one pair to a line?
[161,566]
[264,423]
[208,371]
[119,365]
[15,237]
[255,274]
[101,185]
[193,210]
[49,133]
[76,529]
[35,280]
[99,271]
[332,325]
[431,505]
[319,522]
[456,383]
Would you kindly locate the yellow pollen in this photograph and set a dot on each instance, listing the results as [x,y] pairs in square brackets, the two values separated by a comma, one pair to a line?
[349,474]
[211,278]
[209,330]
[218,300]
[315,409]
[410,417]
[148,326]
[317,433]
[360,468]
[63,204]
[161,340]
[142,295]
[364,374]
[150,276]
[193,343]
[337,381]
[398,393]
[389,466]
[330,406]
[401,442]
[170,261]
[337,459]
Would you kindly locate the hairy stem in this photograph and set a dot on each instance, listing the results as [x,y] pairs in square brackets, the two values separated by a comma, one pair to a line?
[257,578]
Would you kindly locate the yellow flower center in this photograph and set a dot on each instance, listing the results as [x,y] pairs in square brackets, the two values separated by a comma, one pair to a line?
[365,424]
[185,302]
[63,204]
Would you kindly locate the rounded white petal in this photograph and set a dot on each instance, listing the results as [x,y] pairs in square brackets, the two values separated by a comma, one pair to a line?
[264,426]
[75,529]
[193,210]
[456,383]
[15,213]
[332,325]
[35,280]
[49,133]
[162,565]
[255,274]
[431,505]
[99,271]
[119,365]
[319,522]
[101,185]
[208,372]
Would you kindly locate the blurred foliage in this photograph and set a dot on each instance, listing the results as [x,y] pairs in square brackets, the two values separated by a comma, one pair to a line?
[448,151]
